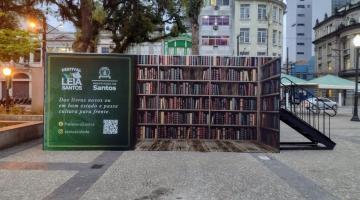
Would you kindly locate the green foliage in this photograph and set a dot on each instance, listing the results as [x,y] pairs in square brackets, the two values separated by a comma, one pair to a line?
[8,20]
[16,43]
[140,21]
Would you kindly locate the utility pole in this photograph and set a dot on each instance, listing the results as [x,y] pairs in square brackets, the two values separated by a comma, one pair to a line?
[287,60]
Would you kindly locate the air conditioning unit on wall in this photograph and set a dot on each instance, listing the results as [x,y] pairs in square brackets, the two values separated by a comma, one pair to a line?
[215,27]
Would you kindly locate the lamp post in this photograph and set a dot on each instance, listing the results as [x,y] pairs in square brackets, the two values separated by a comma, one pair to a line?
[7,73]
[356,42]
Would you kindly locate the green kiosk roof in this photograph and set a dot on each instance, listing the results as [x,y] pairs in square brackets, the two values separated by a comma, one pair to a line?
[285,79]
[334,82]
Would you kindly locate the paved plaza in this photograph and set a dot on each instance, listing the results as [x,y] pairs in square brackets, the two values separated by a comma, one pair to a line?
[27,172]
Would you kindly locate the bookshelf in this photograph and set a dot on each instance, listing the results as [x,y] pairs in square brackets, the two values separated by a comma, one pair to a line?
[205,97]
[270,103]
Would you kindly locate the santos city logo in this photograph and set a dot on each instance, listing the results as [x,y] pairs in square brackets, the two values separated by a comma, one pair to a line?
[71,79]
[104,83]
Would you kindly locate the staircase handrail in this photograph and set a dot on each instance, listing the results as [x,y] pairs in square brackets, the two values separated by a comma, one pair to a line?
[312,96]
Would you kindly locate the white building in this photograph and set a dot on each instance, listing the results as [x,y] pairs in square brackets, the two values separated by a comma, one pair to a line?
[241,27]
[258,27]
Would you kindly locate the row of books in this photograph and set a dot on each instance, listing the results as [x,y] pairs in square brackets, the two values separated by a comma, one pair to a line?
[271,86]
[271,69]
[270,103]
[146,73]
[233,104]
[240,61]
[201,60]
[144,132]
[146,88]
[243,89]
[269,120]
[184,103]
[243,119]
[147,102]
[184,88]
[147,117]
[184,118]
[233,74]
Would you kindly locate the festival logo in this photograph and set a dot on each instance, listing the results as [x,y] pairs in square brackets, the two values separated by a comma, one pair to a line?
[71,79]
[104,83]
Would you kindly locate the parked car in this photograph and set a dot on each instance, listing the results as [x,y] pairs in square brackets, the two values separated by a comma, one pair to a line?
[320,103]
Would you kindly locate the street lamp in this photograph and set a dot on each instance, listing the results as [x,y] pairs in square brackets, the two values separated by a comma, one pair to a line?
[356,42]
[7,73]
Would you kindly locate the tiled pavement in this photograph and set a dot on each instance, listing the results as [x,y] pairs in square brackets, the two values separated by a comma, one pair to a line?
[28,172]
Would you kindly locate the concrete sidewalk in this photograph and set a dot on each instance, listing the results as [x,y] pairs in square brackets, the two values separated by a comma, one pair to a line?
[27,172]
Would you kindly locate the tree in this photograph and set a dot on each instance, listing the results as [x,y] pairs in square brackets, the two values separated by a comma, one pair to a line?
[88,18]
[140,21]
[16,43]
[193,9]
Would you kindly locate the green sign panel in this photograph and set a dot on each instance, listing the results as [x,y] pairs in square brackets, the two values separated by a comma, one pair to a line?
[89,102]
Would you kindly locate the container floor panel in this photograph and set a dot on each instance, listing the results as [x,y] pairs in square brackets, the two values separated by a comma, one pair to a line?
[203,146]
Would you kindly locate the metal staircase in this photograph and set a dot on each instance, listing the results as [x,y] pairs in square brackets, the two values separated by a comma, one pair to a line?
[308,115]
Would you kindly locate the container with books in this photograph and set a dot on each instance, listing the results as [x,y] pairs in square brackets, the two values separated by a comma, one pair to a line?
[206,98]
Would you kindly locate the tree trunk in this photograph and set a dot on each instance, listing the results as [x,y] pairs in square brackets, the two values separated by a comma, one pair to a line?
[83,43]
[195,38]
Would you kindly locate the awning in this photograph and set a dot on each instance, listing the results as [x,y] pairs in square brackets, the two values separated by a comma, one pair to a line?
[287,79]
[334,82]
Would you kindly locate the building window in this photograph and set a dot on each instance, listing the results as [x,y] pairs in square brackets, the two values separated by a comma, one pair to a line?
[261,53]
[320,66]
[105,50]
[300,43]
[301,24]
[222,2]
[300,53]
[329,65]
[244,11]
[301,6]
[329,49]
[300,34]
[274,37]
[275,11]
[261,12]
[215,40]
[262,35]
[301,15]
[37,55]
[320,53]
[274,54]
[244,35]
[280,15]
[215,20]
[280,38]
[244,53]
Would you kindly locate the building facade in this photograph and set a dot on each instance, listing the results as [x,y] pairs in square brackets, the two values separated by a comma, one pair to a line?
[299,30]
[338,4]
[258,28]
[242,27]
[215,29]
[334,50]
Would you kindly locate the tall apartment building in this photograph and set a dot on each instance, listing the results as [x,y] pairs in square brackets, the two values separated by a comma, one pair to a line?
[299,30]
[337,4]
[241,27]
